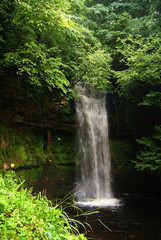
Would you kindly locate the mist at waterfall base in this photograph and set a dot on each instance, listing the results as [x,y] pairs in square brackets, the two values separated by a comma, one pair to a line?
[94,188]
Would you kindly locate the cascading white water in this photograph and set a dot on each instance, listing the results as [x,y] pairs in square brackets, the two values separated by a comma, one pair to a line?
[93,144]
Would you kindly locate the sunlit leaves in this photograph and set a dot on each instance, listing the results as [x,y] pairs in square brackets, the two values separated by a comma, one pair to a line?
[35,62]
[98,71]
[47,41]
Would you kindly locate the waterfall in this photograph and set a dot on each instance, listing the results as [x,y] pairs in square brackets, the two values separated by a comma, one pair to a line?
[93,144]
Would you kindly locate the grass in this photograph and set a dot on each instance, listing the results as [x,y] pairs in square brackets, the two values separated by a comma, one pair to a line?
[24,216]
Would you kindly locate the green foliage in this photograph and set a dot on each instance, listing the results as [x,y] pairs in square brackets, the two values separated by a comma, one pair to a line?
[140,80]
[112,21]
[149,158]
[134,7]
[43,46]
[23,216]
[98,71]
[77,7]
[37,62]
[155,9]
[42,70]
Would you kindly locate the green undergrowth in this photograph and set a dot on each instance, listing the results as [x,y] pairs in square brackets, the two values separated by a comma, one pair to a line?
[23,216]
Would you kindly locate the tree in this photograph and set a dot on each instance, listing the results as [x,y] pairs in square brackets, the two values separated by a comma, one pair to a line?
[43,46]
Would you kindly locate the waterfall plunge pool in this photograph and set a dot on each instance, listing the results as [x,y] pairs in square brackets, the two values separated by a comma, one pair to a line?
[136,218]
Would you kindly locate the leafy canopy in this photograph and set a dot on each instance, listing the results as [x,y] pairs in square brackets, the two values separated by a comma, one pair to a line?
[140,79]
[43,45]
[98,70]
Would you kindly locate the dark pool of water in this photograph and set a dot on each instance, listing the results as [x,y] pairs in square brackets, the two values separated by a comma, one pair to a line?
[137,218]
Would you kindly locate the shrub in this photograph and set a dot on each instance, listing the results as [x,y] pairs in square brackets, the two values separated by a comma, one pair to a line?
[23,216]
